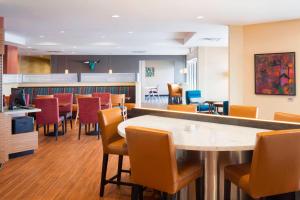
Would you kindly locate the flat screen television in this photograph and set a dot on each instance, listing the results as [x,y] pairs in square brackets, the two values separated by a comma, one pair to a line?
[17,98]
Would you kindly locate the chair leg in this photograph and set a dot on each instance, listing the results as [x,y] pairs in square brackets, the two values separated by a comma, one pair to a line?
[45,129]
[98,131]
[63,126]
[103,174]
[178,195]
[85,128]
[227,189]
[56,130]
[141,192]
[71,122]
[65,123]
[37,127]
[134,192]
[79,131]
[120,164]
[200,188]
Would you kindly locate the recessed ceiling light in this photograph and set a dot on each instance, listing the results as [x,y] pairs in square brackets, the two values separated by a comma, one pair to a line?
[62,32]
[130,32]
[199,17]
[29,47]
[42,36]
[74,47]
[115,16]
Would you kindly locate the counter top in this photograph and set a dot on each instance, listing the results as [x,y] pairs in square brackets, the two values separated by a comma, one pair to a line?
[20,111]
[197,135]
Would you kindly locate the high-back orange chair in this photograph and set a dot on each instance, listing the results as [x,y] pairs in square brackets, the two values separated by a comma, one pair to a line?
[175,93]
[287,117]
[274,169]
[153,163]
[118,100]
[243,111]
[184,108]
[112,143]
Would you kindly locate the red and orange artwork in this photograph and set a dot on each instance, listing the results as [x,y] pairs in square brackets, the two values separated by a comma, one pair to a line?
[275,74]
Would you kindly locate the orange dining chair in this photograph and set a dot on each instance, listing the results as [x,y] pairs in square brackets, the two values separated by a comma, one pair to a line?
[274,169]
[243,111]
[287,117]
[184,108]
[153,164]
[112,144]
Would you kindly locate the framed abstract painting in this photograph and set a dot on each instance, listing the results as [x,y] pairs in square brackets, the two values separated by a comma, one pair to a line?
[275,74]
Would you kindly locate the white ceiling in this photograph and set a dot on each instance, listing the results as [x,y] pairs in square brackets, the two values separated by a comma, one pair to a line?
[159,26]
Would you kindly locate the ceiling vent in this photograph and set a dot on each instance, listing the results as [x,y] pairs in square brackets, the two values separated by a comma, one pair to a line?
[139,52]
[211,39]
[54,51]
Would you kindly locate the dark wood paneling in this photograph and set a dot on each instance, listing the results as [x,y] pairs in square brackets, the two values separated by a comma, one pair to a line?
[255,123]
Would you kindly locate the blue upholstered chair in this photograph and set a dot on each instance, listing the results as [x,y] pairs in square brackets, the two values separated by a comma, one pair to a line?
[225,107]
[194,97]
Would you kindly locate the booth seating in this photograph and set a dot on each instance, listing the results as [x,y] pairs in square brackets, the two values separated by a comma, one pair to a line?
[194,97]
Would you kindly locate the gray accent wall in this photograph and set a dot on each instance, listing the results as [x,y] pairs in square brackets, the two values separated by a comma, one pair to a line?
[118,63]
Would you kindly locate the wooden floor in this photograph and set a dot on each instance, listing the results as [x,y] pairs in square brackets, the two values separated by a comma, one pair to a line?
[65,169]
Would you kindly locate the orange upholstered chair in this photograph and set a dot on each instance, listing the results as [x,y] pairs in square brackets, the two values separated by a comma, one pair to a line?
[243,111]
[183,108]
[112,143]
[118,100]
[153,163]
[274,169]
[175,93]
[287,117]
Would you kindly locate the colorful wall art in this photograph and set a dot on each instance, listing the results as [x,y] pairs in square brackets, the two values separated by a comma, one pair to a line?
[275,74]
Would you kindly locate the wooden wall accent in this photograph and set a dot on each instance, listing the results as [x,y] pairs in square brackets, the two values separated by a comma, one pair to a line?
[5,127]
[1,35]
[11,60]
[237,121]
[14,143]
[1,59]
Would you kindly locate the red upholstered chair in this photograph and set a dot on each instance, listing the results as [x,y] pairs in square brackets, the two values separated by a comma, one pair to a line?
[27,99]
[88,109]
[105,99]
[49,114]
[65,101]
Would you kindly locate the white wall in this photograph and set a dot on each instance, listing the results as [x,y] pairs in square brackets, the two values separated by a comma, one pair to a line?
[164,73]
[265,38]
[213,72]
[236,63]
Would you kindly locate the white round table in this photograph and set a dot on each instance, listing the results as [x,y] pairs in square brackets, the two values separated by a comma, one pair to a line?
[201,136]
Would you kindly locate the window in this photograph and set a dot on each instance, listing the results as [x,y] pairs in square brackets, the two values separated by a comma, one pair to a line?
[192,74]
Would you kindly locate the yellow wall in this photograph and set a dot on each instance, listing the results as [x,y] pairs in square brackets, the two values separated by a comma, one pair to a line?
[266,38]
[35,65]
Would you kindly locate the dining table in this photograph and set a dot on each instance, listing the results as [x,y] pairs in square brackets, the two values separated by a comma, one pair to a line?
[211,139]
